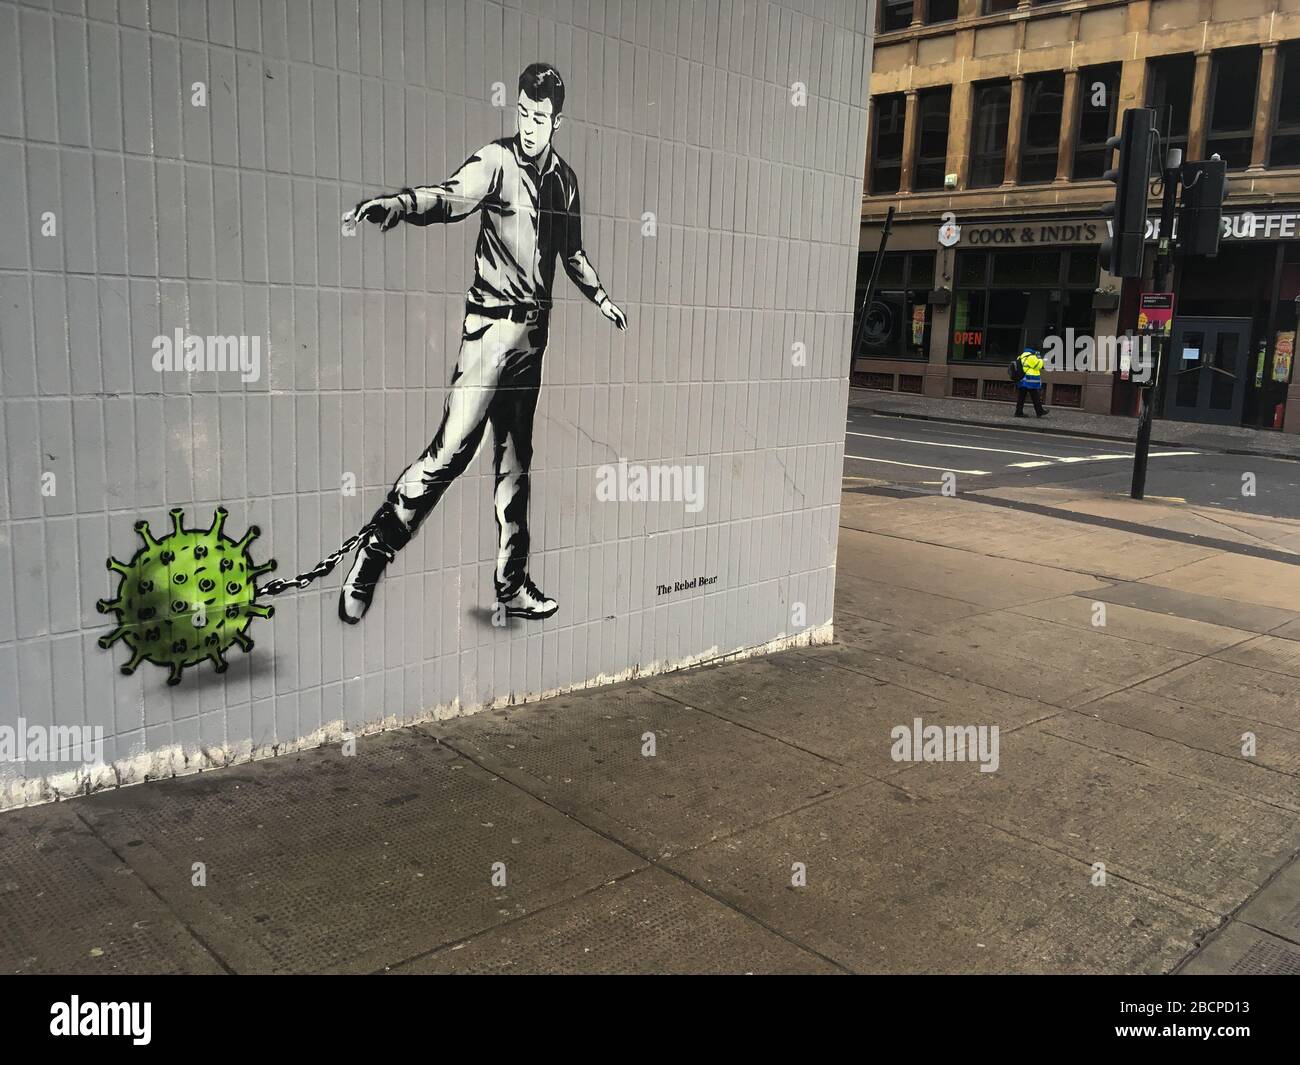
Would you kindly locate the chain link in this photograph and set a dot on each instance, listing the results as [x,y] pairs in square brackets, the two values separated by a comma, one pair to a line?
[322,568]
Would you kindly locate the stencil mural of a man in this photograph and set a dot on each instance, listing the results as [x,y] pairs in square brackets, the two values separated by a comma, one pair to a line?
[527,199]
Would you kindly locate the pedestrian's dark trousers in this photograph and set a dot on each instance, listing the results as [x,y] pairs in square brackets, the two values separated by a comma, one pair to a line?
[1037,393]
[496,381]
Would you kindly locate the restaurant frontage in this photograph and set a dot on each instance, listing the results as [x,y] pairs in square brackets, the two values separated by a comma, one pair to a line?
[956,302]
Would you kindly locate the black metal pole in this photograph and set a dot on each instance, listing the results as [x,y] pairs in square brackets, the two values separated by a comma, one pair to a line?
[871,288]
[1153,396]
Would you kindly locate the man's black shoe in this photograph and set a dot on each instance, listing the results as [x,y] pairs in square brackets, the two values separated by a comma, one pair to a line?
[359,586]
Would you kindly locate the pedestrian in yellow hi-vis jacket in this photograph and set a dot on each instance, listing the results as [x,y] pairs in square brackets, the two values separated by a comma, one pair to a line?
[1031,384]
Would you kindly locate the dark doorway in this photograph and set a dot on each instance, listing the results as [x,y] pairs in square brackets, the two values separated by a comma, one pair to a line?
[1208,363]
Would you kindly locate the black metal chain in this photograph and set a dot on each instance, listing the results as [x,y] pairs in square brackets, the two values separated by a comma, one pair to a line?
[322,568]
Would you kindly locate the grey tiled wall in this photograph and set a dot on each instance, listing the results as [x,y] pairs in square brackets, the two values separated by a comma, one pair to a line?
[225,219]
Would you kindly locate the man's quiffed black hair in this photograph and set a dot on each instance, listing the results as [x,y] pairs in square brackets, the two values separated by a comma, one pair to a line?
[541,81]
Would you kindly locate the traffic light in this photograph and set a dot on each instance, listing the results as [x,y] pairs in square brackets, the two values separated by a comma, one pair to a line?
[1200,218]
[1121,252]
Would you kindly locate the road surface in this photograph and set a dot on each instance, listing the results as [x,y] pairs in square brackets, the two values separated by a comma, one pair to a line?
[918,453]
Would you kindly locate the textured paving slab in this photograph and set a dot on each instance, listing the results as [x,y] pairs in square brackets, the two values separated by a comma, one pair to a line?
[648,923]
[899,885]
[1184,837]
[1240,950]
[321,863]
[1034,659]
[68,905]
[1256,695]
[1130,623]
[707,778]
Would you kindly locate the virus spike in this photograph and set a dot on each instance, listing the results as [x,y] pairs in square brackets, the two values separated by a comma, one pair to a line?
[107,641]
[253,533]
[218,521]
[178,669]
[219,664]
[119,567]
[136,658]
[258,610]
[178,518]
[244,642]
[108,606]
[142,527]
[267,567]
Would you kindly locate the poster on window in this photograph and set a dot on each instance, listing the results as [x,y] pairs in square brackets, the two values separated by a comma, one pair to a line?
[1283,352]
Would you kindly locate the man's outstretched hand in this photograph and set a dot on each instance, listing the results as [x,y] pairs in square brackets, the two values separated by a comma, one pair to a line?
[610,311]
[384,211]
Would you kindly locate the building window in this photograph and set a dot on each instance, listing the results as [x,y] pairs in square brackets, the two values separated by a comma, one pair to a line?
[940,11]
[1098,103]
[1005,300]
[932,141]
[895,15]
[996,7]
[1171,78]
[1285,149]
[1040,147]
[1232,106]
[887,142]
[992,113]
[898,320]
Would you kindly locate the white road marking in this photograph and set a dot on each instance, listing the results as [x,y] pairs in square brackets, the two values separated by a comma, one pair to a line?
[917,466]
[960,447]
[1027,465]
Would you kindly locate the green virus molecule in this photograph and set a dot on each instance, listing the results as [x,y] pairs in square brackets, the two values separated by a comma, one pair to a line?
[186,598]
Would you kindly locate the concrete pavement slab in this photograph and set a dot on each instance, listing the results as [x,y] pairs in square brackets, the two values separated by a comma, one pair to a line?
[1041,660]
[896,884]
[878,601]
[1276,909]
[651,922]
[325,863]
[1248,580]
[1130,623]
[1240,950]
[1182,837]
[1259,696]
[997,706]
[1195,606]
[1273,653]
[963,523]
[583,753]
[848,721]
[69,905]
[974,578]
[1210,731]
[1222,765]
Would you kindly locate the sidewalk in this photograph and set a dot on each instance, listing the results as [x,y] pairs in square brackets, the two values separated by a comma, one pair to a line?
[1234,439]
[1120,744]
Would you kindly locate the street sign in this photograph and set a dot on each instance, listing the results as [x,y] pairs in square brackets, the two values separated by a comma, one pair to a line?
[1156,313]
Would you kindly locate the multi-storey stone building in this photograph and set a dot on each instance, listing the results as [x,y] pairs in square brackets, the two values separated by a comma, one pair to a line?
[998,112]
